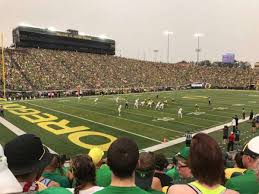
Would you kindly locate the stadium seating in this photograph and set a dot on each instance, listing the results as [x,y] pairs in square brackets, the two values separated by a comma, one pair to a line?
[42,69]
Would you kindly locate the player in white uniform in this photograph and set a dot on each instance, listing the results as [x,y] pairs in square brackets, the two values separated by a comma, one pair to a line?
[117,99]
[119,110]
[95,100]
[157,105]
[180,114]
[142,103]
[149,104]
[136,103]
[161,106]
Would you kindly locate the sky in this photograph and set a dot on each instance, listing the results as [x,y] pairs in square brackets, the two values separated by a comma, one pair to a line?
[138,26]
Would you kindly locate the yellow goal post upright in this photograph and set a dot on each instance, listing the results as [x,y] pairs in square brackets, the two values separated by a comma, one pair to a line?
[3,66]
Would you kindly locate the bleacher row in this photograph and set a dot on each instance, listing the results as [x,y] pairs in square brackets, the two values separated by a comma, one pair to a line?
[42,69]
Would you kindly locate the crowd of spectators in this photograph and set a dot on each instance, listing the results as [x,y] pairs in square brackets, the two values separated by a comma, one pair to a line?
[27,166]
[43,69]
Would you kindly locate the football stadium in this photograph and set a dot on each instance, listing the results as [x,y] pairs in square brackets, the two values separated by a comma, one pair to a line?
[78,116]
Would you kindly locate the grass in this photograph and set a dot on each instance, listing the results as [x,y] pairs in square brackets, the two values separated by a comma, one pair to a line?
[146,126]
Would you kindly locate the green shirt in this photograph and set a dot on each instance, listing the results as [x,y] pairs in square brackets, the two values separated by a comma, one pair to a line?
[244,184]
[121,190]
[103,176]
[62,180]
[173,173]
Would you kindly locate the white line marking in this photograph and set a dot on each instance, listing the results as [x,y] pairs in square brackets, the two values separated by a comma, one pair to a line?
[95,122]
[16,130]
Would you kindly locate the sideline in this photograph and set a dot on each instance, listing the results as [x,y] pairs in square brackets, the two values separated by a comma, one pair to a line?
[17,130]
[182,139]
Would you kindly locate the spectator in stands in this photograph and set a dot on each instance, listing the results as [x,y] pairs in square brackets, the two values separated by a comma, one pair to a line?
[61,169]
[27,157]
[207,167]
[247,183]
[103,172]
[238,167]
[122,158]
[50,173]
[8,182]
[84,173]
[173,171]
[161,164]
[183,167]
[144,174]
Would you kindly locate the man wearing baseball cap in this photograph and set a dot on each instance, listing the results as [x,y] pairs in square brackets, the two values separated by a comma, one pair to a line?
[26,158]
[185,174]
[246,183]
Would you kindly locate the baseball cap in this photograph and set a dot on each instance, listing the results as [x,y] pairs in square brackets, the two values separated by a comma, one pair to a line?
[143,178]
[184,153]
[96,154]
[55,190]
[8,182]
[26,154]
[252,148]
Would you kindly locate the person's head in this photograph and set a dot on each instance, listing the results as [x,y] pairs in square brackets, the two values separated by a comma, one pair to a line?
[238,160]
[8,182]
[27,157]
[145,170]
[183,163]
[54,164]
[160,162]
[96,154]
[83,170]
[206,160]
[251,153]
[122,157]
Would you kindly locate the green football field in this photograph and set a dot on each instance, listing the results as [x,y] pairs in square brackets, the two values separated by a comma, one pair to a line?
[71,126]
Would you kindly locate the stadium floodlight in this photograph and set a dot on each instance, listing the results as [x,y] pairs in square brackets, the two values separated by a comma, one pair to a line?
[168,33]
[198,35]
[52,29]
[102,36]
[198,50]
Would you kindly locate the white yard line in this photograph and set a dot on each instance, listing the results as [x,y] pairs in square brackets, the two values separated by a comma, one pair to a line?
[16,130]
[136,134]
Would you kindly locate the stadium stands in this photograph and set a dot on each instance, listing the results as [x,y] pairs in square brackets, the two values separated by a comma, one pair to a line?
[31,69]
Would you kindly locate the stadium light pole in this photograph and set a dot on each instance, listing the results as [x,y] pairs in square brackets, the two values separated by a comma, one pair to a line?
[168,33]
[198,50]
[155,55]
